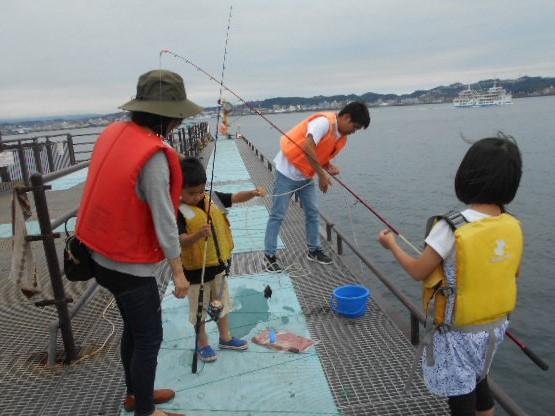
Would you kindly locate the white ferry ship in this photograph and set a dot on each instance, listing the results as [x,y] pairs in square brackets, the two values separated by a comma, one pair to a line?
[493,96]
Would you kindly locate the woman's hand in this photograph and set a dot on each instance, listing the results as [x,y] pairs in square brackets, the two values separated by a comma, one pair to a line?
[181,285]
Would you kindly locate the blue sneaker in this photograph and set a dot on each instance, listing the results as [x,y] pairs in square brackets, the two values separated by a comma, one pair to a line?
[207,354]
[234,344]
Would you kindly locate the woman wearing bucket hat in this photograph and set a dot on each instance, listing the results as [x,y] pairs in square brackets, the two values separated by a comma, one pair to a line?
[127,218]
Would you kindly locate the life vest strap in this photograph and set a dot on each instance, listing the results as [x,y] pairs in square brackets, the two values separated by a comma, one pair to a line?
[455,219]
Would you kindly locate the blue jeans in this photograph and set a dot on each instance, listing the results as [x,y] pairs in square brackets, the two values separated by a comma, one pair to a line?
[280,204]
[138,301]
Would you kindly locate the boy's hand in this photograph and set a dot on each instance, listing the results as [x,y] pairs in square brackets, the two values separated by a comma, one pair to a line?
[386,239]
[259,192]
[204,231]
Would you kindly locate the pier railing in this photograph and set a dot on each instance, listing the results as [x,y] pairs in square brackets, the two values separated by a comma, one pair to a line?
[187,140]
[45,154]
[38,186]
[416,315]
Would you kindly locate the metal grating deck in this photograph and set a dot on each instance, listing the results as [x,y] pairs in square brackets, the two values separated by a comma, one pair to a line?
[365,360]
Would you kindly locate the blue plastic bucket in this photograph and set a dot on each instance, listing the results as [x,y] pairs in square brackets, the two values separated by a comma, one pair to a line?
[350,300]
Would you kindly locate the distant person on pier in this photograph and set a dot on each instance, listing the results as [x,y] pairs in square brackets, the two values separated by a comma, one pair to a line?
[127,217]
[469,271]
[307,151]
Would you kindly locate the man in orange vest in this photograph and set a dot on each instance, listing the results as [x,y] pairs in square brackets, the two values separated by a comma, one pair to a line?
[307,150]
[127,217]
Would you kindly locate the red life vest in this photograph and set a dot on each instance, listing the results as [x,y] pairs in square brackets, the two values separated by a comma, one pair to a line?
[113,220]
[326,149]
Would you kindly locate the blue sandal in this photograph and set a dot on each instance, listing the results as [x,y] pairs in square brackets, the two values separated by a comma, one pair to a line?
[207,354]
[234,344]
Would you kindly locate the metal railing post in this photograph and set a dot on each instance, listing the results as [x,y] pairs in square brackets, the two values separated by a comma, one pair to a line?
[70,149]
[60,298]
[328,231]
[50,157]
[414,329]
[36,155]
[23,163]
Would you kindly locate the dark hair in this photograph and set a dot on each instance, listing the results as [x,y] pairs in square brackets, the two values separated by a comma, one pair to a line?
[157,123]
[194,173]
[358,112]
[490,171]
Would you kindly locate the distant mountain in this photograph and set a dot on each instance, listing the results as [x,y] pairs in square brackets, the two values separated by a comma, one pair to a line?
[522,87]
[66,117]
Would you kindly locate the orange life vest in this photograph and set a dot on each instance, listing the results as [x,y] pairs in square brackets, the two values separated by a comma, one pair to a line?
[112,219]
[326,149]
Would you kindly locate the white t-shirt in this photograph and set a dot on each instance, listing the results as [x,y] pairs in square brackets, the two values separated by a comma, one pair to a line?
[442,239]
[318,128]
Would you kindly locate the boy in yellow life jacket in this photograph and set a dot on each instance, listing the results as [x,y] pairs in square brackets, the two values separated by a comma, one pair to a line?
[469,269]
[193,232]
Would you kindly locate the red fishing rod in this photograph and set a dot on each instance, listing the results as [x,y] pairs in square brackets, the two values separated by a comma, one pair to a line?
[530,354]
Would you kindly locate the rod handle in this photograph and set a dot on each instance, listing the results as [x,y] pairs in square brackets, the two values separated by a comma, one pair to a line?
[537,360]
[531,354]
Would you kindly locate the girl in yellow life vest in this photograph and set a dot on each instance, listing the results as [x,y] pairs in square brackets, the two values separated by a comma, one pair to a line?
[469,269]
[193,231]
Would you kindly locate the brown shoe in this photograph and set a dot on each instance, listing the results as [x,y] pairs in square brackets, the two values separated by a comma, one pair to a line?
[160,396]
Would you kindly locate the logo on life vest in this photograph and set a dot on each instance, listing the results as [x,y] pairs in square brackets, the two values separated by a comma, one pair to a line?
[499,252]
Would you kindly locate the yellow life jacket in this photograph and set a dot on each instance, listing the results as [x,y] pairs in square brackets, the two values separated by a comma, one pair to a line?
[488,255]
[218,249]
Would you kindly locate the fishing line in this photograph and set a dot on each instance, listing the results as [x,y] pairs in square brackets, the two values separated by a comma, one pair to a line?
[112,331]
[529,353]
[208,219]
[350,211]
[253,109]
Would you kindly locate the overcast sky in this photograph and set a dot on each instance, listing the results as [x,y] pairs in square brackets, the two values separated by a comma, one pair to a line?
[77,56]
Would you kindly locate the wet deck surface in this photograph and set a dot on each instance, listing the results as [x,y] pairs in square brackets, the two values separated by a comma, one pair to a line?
[358,367]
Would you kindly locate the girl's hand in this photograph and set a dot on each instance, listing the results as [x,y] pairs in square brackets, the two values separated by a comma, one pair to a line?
[386,239]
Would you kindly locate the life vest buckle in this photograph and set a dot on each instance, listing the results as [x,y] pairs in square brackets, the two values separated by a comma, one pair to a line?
[447,291]
[443,328]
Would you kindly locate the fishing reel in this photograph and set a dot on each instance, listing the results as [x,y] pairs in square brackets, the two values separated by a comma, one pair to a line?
[215,309]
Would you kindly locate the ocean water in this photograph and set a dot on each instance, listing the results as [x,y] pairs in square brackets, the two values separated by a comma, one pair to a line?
[404,165]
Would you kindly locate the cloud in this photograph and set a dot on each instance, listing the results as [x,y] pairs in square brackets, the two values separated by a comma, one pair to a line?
[71,56]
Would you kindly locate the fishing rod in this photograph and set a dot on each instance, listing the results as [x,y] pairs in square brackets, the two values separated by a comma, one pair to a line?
[200,301]
[255,110]
[537,360]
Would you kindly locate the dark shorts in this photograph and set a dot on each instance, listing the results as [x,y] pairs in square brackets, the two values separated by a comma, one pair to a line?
[480,399]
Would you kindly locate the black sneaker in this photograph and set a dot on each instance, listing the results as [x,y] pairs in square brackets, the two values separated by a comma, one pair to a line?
[272,264]
[319,256]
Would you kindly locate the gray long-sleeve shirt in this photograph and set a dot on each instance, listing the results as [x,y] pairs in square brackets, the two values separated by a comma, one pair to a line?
[153,187]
